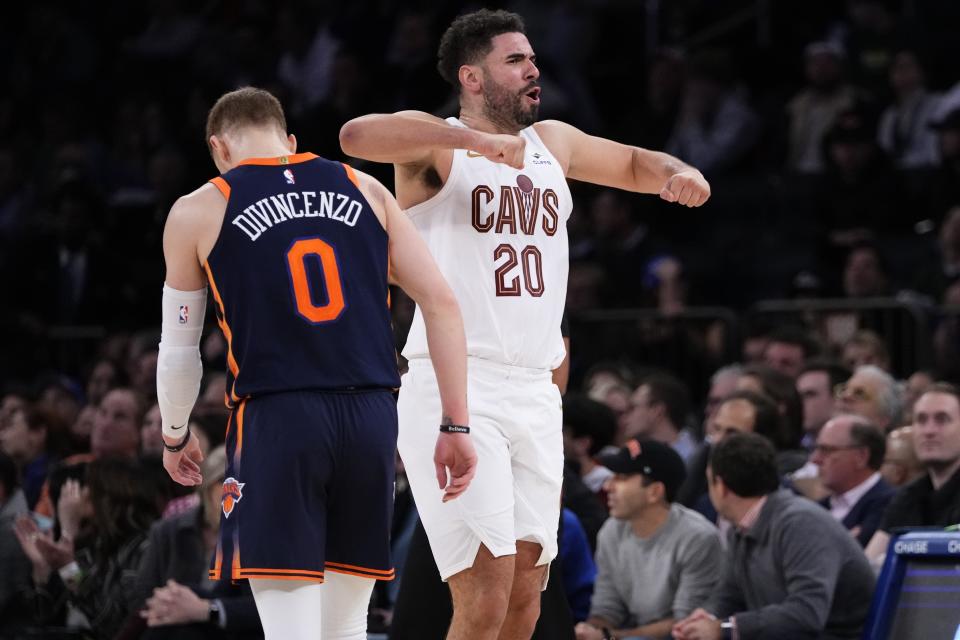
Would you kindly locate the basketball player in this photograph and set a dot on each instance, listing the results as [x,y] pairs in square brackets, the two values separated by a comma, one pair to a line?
[294,249]
[488,193]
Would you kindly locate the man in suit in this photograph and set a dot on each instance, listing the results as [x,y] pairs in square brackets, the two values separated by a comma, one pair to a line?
[849,452]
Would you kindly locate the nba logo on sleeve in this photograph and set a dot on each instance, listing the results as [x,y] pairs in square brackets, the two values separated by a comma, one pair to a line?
[184,314]
[289,176]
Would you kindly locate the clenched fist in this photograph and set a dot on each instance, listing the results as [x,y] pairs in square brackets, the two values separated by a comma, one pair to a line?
[687,187]
[502,148]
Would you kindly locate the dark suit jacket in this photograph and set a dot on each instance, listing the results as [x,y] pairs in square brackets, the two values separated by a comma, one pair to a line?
[868,512]
[176,552]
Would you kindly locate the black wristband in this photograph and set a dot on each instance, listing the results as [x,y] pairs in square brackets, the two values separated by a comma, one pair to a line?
[607,634]
[178,447]
[454,428]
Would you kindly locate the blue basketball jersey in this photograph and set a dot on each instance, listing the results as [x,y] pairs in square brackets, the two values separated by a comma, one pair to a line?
[299,280]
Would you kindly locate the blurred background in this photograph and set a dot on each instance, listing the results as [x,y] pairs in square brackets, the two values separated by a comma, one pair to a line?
[829,131]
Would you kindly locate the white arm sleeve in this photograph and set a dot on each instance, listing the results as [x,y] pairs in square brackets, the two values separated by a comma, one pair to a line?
[178,363]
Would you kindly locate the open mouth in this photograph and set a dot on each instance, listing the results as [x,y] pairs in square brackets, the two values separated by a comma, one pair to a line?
[534,95]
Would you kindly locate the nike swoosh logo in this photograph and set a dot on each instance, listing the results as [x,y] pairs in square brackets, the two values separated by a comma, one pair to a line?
[175,428]
[473,154]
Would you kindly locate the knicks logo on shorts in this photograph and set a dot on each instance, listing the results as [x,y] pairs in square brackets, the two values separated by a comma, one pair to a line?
[232,493]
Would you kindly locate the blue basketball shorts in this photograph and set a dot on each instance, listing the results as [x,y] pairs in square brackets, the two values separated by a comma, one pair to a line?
[308,487]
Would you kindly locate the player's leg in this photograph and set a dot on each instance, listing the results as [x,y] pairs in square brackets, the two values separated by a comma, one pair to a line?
[537,467]
[346,599]
[273,530]
[523,608]
[473,536]
[480,596]
[289,609]
[359,510]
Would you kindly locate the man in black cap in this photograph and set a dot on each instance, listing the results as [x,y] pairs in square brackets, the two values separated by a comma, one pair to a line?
[656,561]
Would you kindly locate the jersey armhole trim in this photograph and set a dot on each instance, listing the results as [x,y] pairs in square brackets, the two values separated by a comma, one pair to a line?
[351,174]
[221,186]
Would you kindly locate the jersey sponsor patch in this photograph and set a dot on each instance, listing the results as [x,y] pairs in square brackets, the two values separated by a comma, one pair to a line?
[232,494]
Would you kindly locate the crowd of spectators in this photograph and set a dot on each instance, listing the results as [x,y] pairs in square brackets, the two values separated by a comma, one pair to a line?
[830,133]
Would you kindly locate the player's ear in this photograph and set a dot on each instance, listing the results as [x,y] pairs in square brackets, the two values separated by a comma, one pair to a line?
[292,143]
[220,148]
[471,78]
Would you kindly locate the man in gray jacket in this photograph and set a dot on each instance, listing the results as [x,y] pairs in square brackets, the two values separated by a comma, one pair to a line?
[656,560]
[792,570]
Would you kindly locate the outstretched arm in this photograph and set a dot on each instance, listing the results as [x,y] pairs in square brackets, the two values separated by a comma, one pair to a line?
[612,164]
[414,137]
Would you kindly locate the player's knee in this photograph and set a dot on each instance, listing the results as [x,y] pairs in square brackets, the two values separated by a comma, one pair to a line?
[485,613]
[524,606]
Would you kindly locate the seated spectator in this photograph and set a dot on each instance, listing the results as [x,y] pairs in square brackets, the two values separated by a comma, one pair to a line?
[900,464]
[722,383]
[61,398]
[104,375]
[175,599]
[35,439]
[659,408]
[792,570]
[812,111]
[588,427]
[934,499]
[115,433]
[716,127]
[747,412]
[904,131]
[849,453]
[815,384]
[151,442]
[656,560]
[781,389]
[93,570]
[866,347]
[788,350]
[859,198]
[916,385]
[82,427]
[15,576]
[872,393]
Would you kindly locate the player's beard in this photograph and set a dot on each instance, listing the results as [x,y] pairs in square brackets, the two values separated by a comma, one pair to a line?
[505,108]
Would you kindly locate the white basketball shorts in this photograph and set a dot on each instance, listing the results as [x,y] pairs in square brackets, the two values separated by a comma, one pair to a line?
[516,426]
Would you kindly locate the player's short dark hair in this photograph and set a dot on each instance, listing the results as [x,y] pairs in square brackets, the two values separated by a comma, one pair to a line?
[248,106]
[747,464]
[586,417]
[470,37]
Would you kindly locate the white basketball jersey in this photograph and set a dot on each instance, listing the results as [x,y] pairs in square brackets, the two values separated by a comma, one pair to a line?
[499,236]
